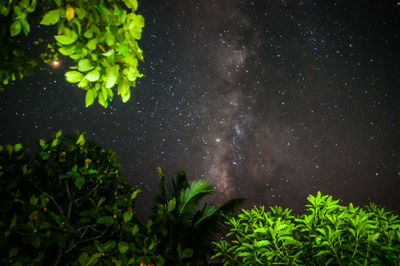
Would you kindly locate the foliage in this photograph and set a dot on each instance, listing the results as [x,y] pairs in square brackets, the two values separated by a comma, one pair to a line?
[183,230]
[327,234]
[68,204]
[99,36]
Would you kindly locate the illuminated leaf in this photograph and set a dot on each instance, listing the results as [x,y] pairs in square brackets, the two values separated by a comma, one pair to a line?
[51,17]
[93,75]
[73,76]
[89,98]
[111,78]
[65,40]
[84,65]
[15,28]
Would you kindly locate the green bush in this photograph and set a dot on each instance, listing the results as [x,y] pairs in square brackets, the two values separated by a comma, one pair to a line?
[68,204]
[327,234]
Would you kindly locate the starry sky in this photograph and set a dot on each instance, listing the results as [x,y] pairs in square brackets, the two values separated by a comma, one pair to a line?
[269,100]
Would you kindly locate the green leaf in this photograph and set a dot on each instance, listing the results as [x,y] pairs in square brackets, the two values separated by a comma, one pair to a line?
[93,75]
[66,50]
[109,245]
[134,194]
[125,97]
[93,259]
[123,49]
[36,242]
[17,147]
[79,181]
[58,134]
[13,252]
[187,253]
[123,247]
[127,215]
[92,44]
[26,27]
[107,220]
[73,76]
[65,40]
[51,17]
[133,4]
[135,229]
[89,98]
[84,65]
[81,140]
[42,143]
[9,148]
[15,28]
[111,78]
[171,204]
[83,258]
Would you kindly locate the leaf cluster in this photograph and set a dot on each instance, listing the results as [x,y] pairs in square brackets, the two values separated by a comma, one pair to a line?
[68,204]
[99,36]
[327,233]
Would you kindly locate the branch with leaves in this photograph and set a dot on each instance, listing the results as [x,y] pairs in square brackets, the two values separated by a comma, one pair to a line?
[101,37]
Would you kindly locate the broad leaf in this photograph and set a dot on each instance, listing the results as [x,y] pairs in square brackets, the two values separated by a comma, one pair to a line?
[89,98]
[51,17]
[93,75]
[73,76]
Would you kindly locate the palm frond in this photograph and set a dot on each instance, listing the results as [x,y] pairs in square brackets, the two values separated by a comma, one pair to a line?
[192,195]
[205,214]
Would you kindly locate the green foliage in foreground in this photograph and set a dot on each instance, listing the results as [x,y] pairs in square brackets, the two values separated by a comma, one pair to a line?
[184,229]
[68,204]
[101,37]
[327,234]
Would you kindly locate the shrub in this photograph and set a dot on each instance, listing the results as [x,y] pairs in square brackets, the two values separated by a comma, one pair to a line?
[327,234]
[68,204]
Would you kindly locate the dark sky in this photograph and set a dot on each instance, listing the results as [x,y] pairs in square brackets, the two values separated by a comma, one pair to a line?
[269,100]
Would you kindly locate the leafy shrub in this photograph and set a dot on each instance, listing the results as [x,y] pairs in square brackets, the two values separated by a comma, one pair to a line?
[68,204]
[327,234]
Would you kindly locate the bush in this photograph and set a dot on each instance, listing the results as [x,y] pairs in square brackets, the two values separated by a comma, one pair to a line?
[327,234]
[68,204]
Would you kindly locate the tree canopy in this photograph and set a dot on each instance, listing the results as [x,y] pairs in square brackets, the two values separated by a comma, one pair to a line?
[100,36]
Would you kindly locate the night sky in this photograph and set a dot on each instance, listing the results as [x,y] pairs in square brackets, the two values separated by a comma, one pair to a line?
[268,100]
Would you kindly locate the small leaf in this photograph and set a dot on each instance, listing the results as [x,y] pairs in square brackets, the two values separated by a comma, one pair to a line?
[187,253]
[171,204]
[134,194]
[111,78]
[65,40]
[73,76]
[89,98]
[127,215]
[93,75]
[69,13]
[58,134]
[93,259]
[51,17]
[84,65]
[15,28]
[42,143]
[123,247]
[79,181]
[17,147]
[36,242]
[109,245]
[83,258]
[81,140]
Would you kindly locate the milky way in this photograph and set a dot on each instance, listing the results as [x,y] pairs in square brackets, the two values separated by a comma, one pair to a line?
[268,100]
